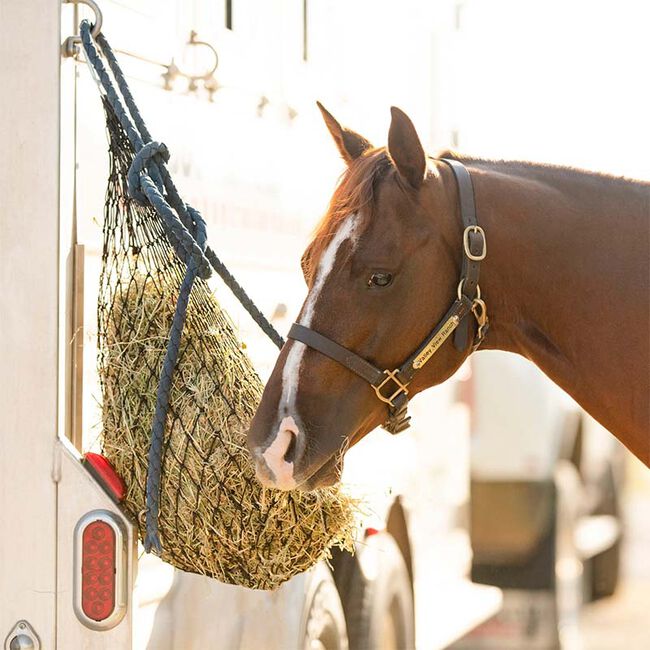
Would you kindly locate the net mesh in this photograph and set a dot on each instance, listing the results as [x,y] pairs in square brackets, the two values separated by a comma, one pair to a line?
[215,518]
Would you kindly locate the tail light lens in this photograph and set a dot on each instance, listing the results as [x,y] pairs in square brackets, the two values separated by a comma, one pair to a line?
[105,474]
[100,570]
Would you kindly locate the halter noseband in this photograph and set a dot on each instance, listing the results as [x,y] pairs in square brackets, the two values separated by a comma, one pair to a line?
[391,386]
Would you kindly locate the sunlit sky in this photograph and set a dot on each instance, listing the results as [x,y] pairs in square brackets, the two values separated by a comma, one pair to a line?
[563,82]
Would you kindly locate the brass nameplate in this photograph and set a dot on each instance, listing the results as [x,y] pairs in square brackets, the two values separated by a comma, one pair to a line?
[436,342]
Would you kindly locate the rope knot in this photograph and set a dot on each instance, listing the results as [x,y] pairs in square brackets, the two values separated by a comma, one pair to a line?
[146,160]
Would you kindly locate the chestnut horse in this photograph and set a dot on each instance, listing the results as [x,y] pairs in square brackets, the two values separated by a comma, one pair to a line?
[566,282]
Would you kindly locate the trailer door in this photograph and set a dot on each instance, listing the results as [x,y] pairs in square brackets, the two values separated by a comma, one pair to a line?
[29,123]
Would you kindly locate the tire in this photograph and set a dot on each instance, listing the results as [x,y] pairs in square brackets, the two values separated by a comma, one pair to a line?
[323,626]
[377,596]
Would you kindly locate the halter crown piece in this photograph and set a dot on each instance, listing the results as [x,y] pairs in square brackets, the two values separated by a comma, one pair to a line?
[391,386]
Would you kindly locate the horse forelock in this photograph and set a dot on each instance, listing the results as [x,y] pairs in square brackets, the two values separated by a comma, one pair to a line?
[354,194]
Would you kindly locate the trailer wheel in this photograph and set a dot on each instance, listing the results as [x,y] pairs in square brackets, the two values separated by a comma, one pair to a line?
[323,619]
[377,597]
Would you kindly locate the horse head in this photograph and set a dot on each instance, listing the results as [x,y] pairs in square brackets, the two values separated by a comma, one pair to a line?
[381,270]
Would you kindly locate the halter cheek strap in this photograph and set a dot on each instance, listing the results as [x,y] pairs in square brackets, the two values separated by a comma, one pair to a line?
[474,245]
[391,386]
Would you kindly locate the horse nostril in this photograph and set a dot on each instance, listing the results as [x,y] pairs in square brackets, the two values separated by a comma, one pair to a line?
[290,454]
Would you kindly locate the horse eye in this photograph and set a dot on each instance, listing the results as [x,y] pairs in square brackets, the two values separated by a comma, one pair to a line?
[380,279]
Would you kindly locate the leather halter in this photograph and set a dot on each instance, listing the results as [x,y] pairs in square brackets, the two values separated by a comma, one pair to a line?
[391,386]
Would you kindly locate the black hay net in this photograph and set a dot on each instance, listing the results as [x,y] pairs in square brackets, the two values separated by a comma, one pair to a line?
[215,518]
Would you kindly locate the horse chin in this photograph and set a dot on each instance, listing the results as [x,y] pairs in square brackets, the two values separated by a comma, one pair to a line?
[330,472]
[325,476]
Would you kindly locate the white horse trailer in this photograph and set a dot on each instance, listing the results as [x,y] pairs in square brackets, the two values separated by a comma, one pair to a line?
[259,167]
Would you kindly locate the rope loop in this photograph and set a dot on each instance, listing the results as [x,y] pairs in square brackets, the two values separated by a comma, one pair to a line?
[140,163]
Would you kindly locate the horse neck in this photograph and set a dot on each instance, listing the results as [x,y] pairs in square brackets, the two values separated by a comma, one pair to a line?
[566,282]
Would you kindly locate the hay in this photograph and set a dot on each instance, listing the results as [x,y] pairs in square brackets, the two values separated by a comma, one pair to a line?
[215,518]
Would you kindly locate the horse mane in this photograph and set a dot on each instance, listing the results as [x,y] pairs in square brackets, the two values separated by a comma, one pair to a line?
[521,166]
[354,193]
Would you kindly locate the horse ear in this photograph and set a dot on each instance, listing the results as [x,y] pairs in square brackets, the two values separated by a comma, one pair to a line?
[350,144]
[405,149]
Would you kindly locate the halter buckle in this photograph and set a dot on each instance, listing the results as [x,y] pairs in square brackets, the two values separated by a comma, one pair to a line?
[468,252]
[401,387]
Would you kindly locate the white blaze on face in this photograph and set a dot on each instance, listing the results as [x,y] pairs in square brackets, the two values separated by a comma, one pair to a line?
[274,454]
[291,368]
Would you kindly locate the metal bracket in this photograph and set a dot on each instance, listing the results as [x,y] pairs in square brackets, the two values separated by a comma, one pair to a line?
[209,81]
[71,44]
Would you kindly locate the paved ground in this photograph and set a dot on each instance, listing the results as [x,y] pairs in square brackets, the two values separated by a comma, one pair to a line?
[623,621]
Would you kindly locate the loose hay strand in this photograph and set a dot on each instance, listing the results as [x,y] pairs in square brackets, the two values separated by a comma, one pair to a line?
[215,518]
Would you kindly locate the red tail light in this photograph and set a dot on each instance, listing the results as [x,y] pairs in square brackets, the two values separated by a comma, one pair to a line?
[104,472]
[372,531]
[100,570]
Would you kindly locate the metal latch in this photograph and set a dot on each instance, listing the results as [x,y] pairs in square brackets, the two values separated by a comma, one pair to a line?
[22,637]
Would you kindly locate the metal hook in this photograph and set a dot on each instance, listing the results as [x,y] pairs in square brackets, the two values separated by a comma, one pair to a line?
[479,309]
[71,44]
